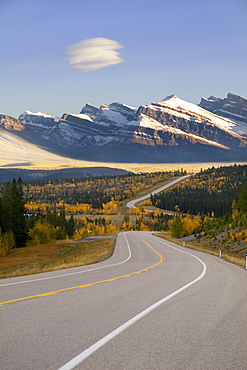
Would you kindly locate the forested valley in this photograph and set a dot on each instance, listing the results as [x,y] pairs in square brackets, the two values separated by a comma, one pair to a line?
[209,192]
[36,212]
[90,195]
[210,205]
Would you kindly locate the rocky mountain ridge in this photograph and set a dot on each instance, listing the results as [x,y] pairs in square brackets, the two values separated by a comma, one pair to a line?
[11,123]
[233,106]
[171,130]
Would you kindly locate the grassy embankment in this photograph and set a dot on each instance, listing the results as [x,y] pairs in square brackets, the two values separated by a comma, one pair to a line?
[206,245]
[54,256]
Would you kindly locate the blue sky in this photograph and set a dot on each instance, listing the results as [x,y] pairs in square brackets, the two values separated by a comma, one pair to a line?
[189,48]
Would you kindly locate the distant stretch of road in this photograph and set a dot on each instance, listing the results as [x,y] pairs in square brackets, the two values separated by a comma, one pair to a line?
[131,204]
[152,305]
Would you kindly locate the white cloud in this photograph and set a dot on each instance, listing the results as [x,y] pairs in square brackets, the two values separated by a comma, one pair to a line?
[92,54]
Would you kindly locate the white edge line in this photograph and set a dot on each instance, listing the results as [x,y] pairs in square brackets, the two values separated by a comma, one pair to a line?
[89,351]
[97,268]
[73,273]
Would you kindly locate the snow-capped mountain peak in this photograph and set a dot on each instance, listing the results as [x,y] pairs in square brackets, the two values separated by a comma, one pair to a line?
[168,130]
[39,114]
[193,110]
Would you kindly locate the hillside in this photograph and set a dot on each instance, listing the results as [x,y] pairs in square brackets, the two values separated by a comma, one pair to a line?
[210,191]
[9,174]
[171,130]
[168,131]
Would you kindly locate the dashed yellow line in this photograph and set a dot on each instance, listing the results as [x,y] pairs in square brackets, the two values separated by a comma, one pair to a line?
[90,284]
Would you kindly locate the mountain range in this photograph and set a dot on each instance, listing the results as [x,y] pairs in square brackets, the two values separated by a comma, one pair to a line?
[171,130]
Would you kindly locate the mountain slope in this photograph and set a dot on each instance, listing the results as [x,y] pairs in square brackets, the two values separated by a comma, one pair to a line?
[170,130]
[21,151]
[18,149]
[233,107]
[8,174]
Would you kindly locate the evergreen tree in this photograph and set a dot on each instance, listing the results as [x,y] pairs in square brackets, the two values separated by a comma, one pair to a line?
[70,226]
[6,210]
[12,212]
[1,244]
[241,200]
[19,227]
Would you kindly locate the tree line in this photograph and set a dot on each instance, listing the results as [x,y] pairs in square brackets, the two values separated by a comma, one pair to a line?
[36,212]
[232,224]
[17,228]
[211,191]
[13,226]
[91,191]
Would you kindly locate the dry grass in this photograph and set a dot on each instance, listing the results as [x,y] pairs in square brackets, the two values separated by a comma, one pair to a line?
[58,162]
[54,256]
[66,254]
[233,259]
[203,247]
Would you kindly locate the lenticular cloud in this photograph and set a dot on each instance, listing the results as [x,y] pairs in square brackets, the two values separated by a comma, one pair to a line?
[92,54]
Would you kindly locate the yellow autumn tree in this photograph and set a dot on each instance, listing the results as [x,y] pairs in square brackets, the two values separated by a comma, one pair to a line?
[110,207]
[190,224]
[42,233]
[147,203]
[7,242]
[108,219]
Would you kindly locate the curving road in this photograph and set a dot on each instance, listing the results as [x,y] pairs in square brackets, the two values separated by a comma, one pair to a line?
[152,305]
[131,203]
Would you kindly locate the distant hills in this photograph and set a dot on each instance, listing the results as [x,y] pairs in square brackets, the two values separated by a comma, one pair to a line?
[7,174]
[171,130]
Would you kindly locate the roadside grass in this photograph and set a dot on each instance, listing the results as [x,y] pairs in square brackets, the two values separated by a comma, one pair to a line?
[237,260]
[54,256]
[203,247]
[70,253]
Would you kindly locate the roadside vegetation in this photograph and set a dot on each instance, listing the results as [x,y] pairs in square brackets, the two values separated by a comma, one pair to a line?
[42,222]
[89,195]
[54,256]
[210,192]
[226,234]
[30,227]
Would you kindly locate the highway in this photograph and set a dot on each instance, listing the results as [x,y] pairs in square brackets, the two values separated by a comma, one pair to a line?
[152,305]
[131,203]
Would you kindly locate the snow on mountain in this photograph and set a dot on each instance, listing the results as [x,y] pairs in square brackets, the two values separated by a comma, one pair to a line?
[176,112]
[38,122]
[40,114]
[190,110]
[82,116]
[146,122]
[233,107]
[113,116]
[168,130]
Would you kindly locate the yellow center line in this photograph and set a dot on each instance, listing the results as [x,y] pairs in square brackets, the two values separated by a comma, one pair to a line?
[91,284]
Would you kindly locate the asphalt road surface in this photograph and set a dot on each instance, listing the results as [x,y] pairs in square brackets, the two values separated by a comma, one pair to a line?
[152,305]
[131,203]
